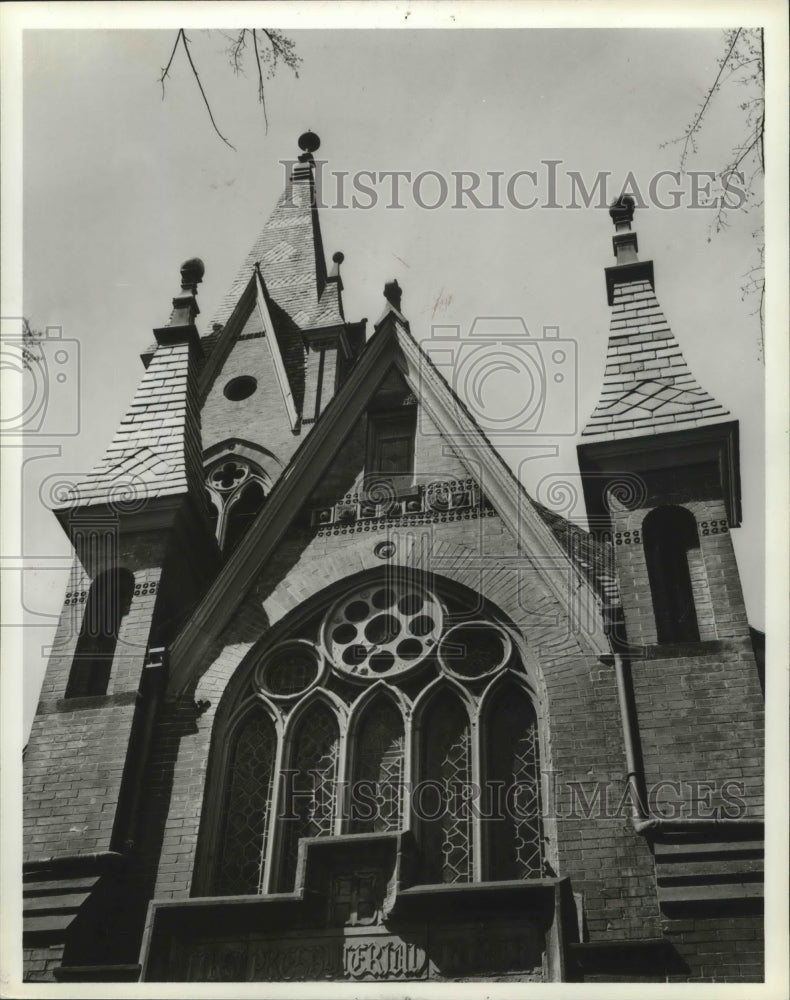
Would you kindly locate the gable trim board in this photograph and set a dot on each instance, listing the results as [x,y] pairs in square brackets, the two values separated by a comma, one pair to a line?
[507,495]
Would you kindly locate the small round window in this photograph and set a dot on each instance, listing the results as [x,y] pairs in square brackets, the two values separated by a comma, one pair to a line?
[474,649]
[290,669]
[240,388]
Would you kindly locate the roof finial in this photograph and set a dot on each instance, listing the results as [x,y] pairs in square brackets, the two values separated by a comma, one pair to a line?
[192,272]
[393,293]
[308,143]
[337,259]
[624,241]
[622,212]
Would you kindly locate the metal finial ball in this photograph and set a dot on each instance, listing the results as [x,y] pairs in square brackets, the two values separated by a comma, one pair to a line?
[192,271]
[622,210]
[309,142]
[338,257]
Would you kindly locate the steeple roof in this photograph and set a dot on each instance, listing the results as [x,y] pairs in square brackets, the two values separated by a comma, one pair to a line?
[648,387]
[156,450]
[290,252]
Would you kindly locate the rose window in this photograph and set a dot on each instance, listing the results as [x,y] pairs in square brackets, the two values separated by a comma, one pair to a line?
[385,628]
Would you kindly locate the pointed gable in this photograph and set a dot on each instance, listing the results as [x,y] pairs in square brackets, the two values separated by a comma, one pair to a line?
[281,327]
[391,359]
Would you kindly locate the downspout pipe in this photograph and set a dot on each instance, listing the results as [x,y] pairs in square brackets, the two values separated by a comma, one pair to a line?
[634,772]
[151,689]
[642,822]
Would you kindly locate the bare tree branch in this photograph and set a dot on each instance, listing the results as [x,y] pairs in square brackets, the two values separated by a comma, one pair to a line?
[688,136]
[261,96]
[743,62]
[181,37]
[203,93]
[281,49]
[166,70]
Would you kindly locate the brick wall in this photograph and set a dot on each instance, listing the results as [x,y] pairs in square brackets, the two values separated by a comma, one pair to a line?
[604,857]
[77,748]
[261,417]
[39,962]
[721,949]
[700,717]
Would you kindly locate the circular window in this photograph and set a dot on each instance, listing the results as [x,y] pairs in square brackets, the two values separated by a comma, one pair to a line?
[387,627]
[290,669]
[474,649]
[240,388]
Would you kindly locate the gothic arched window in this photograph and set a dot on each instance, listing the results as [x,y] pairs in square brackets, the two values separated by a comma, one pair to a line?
[444,806]
[311,784]
[247,808]
[670,536]
[392,670]
[236,493]
[108,601]
[378,769]
[512,768]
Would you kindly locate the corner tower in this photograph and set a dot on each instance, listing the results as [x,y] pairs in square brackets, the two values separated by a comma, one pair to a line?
[659,466]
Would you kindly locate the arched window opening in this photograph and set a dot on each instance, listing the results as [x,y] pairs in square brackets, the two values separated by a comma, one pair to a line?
[241,515]
[670,534]
[248,804]
[310,785]
[443,804]
[376,790]
[109,599]
[512,820]
[236,490]
[430,701]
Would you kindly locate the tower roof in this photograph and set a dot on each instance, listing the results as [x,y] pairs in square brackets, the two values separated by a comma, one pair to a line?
[290,252]
[648,387]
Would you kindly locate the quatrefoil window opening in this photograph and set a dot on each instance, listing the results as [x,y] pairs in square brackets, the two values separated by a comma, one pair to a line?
[236,491]
[229,475]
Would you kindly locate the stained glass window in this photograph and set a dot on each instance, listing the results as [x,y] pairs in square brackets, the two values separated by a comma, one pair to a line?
[446,819]
[512,787]
[310,785]
[248,806]
[376,790]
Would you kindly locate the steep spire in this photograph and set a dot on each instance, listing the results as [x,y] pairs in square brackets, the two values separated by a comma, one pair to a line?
[290,252]
[647,387]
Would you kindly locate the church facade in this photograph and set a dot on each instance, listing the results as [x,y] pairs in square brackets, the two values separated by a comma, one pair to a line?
[333,698]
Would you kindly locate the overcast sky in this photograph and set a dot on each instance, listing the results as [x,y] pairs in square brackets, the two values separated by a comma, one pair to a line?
[121,186]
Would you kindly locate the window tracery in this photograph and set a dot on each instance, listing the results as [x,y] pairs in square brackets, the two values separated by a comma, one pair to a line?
[454,716]
[248,807]
[236,491]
